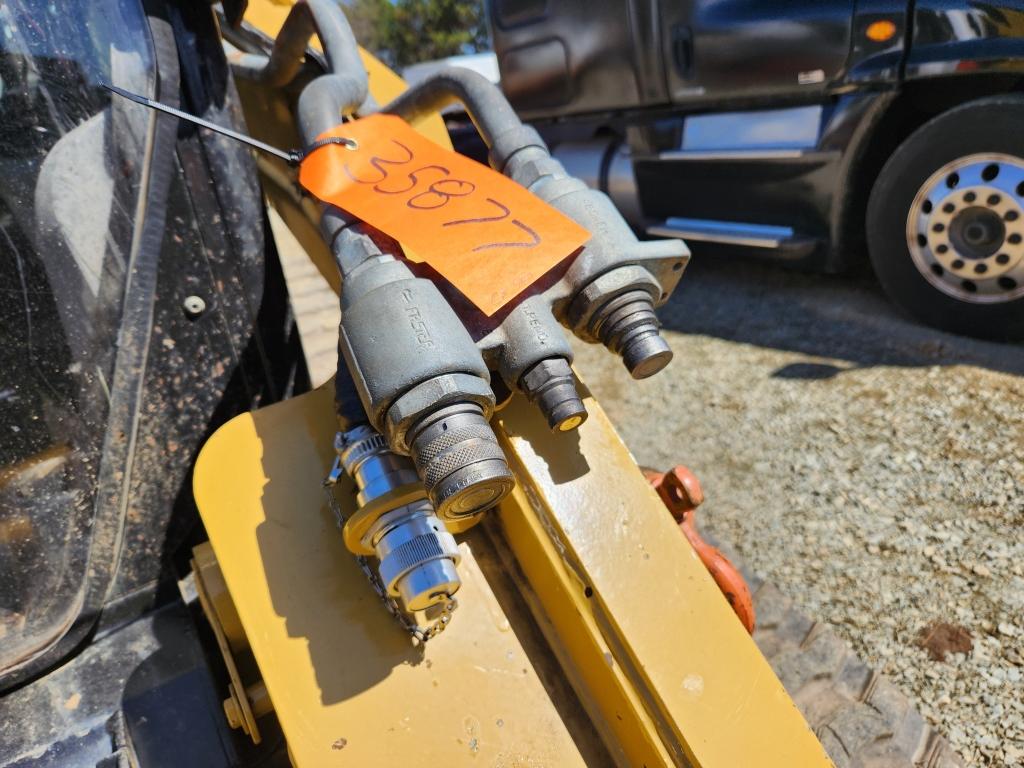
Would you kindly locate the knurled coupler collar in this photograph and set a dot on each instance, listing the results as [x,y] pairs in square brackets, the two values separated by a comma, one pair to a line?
[460,461]
[413,406]
[443,424]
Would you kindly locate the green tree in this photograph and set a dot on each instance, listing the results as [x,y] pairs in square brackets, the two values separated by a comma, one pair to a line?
[403,32]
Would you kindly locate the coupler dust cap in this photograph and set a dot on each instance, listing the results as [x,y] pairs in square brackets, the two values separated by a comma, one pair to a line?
[417,556]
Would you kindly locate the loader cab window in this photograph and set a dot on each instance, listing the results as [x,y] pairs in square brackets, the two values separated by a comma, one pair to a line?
[72,164]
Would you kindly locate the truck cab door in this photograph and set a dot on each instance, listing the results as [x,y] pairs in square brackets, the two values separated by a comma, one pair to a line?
[725,50]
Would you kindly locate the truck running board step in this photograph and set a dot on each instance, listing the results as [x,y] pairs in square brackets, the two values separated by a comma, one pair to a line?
[763,236]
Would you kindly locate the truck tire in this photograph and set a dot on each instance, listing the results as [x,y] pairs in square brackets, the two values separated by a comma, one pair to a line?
[861,718]
[945,221]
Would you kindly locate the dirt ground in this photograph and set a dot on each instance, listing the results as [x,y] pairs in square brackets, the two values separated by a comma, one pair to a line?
[871,468]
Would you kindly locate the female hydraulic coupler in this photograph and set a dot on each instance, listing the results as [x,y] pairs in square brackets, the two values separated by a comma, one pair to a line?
[423,384]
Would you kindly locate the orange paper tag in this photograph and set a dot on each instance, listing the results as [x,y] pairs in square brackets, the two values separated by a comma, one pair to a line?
[481,231]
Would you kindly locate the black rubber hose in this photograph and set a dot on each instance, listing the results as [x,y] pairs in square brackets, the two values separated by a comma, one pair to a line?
[324,101]
[485,104]
[326,20]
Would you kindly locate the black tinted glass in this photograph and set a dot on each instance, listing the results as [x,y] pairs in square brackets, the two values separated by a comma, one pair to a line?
[71,169]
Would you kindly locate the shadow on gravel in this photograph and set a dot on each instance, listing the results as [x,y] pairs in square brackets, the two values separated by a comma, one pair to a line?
[813,371]
[836,317]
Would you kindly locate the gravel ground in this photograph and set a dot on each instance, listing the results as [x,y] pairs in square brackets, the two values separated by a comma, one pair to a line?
[872,469]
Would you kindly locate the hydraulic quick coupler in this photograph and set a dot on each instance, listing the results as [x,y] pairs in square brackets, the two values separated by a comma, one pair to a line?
[616,281]
[422,381]
[395,522]
[610,291]
[415,384]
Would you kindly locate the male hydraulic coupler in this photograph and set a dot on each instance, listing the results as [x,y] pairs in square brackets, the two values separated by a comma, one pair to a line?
[550,385]
[534,357]
[417,556]
[614,291]
[617,311]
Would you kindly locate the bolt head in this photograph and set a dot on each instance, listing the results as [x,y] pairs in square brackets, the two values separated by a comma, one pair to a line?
[193,306]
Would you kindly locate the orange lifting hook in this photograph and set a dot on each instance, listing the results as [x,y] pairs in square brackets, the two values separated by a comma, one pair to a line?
[680,490]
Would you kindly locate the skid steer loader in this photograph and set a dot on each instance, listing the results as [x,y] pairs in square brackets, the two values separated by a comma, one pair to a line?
[444,555]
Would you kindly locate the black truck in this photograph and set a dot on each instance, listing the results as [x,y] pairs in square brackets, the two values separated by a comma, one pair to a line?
[813,131]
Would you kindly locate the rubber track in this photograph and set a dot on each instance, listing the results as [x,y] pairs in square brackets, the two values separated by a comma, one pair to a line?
[859,716]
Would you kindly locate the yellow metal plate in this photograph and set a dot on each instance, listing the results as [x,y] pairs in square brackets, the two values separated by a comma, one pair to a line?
[348,686]
[618,579]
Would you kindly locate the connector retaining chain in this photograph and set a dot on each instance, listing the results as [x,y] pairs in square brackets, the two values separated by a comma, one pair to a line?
[420,634]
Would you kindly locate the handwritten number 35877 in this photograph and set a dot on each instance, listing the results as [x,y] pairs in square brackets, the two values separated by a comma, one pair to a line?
[439,193]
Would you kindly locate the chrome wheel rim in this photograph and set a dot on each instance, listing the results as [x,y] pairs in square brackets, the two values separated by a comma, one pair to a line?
[965,228]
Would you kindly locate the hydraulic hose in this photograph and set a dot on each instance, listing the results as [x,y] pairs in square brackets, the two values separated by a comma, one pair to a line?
[494,118]
[326,20]
[324,101]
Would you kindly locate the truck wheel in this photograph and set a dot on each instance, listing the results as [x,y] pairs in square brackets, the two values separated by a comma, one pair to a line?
[945,221]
